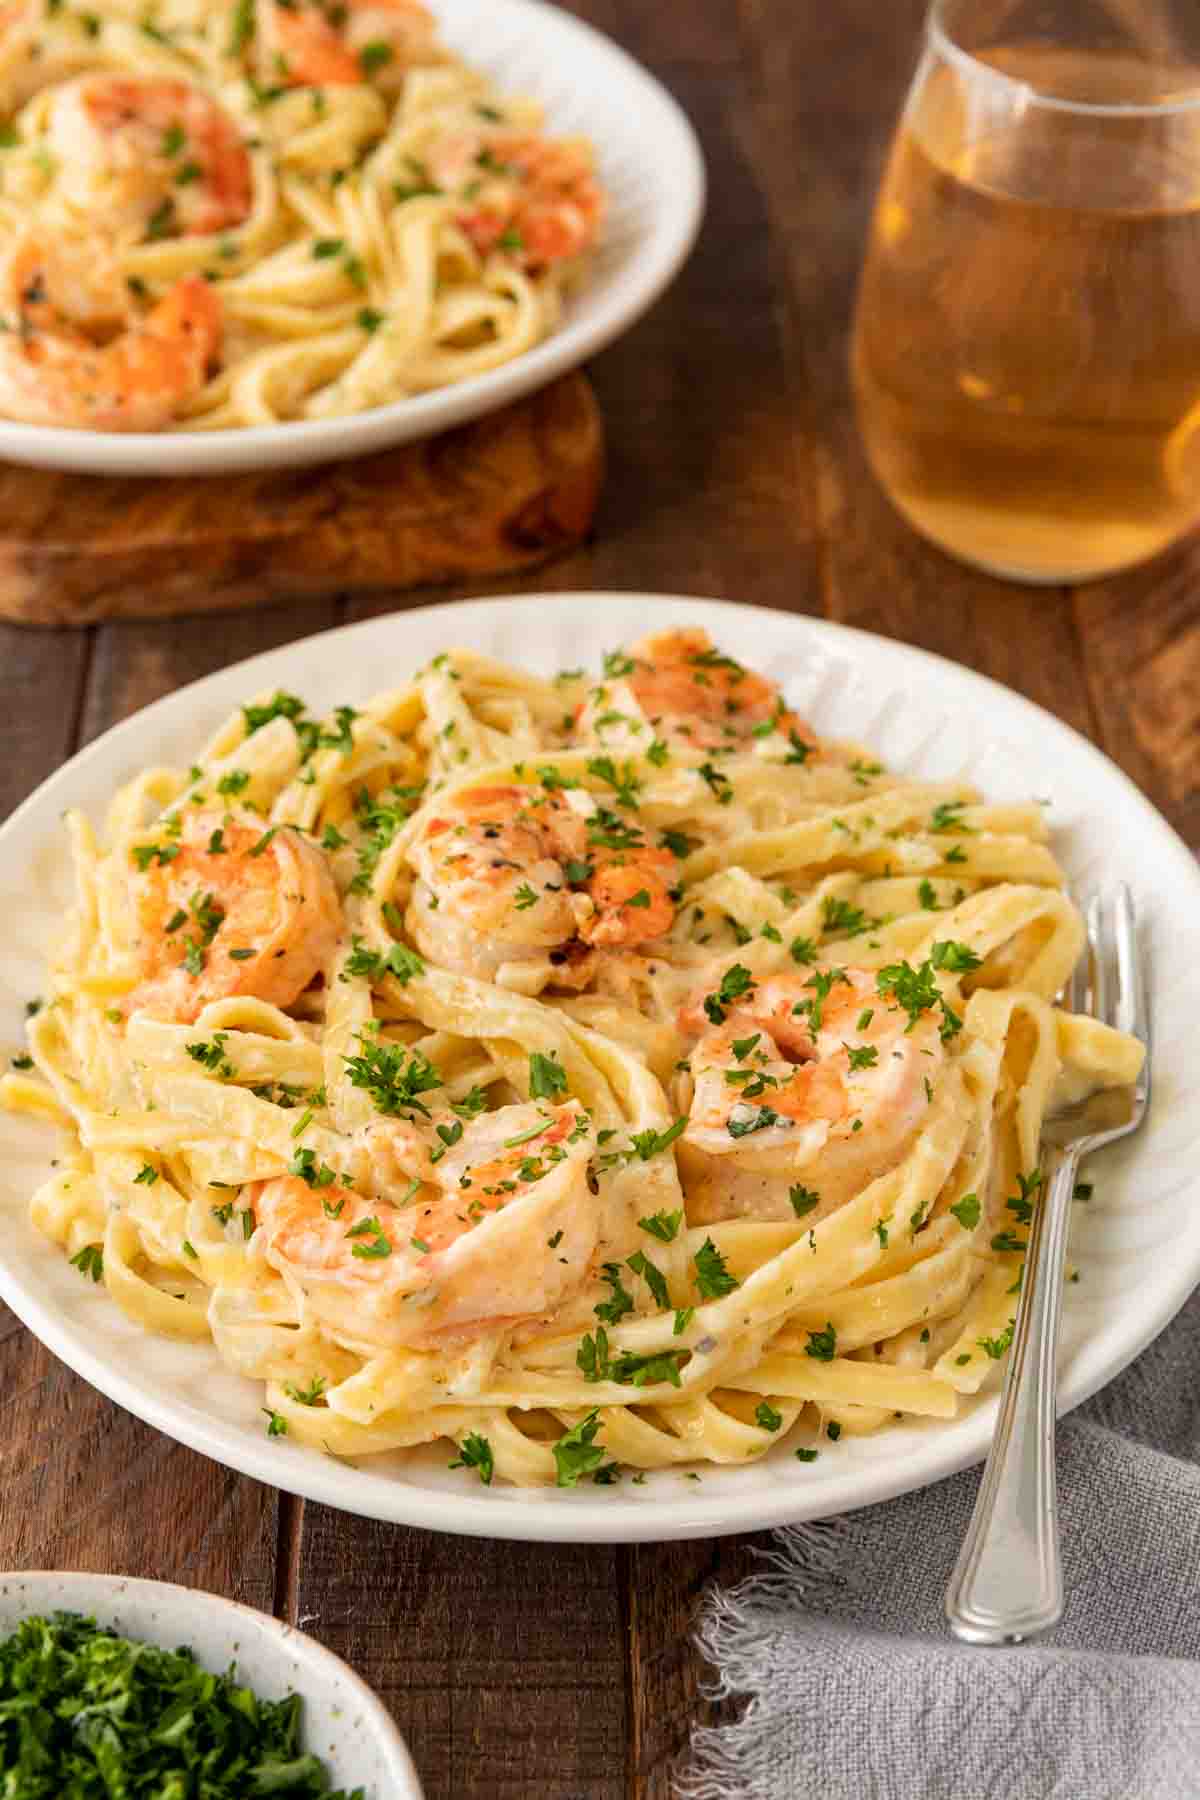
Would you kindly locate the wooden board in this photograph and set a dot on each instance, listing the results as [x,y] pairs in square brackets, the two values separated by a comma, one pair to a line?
[551,1672]
[490,498]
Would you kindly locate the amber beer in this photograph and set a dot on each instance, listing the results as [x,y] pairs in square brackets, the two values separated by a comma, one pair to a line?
[1027,347]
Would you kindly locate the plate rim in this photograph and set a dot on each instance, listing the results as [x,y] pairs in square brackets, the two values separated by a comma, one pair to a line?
[301,443]
[521,1514]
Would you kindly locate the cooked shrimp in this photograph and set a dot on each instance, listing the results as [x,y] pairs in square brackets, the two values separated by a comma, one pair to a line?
[675,685]
[226,908]
[52,372]
[823,1080]
[312,45]
[512,875]
[148,157]
[499,1231]
[536,198]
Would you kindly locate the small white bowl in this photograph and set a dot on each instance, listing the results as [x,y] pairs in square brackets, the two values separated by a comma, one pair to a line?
[343,1722]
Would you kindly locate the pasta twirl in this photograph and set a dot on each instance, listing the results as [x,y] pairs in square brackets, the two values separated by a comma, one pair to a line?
[600,1074]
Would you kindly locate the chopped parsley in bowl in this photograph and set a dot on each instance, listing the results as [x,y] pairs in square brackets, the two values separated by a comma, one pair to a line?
[112,1686]
[85,1712]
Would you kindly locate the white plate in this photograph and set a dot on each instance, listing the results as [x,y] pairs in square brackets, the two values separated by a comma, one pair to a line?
[1137,1243]
[649,161]
[343,1723]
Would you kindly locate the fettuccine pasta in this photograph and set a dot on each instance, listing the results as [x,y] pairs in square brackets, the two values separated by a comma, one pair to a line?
[602,1074]
[220,213]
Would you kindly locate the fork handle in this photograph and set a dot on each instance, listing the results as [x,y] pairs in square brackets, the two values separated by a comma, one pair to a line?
[1007,1583]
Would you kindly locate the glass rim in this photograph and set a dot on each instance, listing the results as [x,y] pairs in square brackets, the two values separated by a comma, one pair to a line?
[940,38]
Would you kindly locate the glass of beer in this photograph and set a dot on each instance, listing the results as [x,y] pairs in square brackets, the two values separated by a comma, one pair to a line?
[1027,343]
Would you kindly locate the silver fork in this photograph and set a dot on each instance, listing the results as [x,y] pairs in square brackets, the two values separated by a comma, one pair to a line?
[1007,1583]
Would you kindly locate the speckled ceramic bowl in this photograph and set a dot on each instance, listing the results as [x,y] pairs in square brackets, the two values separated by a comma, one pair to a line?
[343,1722]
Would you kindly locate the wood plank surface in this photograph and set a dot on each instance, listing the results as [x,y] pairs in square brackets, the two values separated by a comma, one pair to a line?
[543,1672]
[497,495]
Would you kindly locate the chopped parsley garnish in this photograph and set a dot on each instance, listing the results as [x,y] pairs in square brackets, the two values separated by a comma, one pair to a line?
[145,854]
[22,1062]
[576,1453]
[651,1143]
[641,1371]
[308,1396]
[243,26]
[766,1417]
[719,785]
[653,1277]
[471,1105]
[914,990]
[745,1120]
[476,1453]
[995,1347]
[379,820]
[276,1423]
[799,751]
[735,983]
[281,706]
[806,1454]
[161,219]
[90,1261]
[1022,1204]
[803,1200]
[613,832]
[394,1076]
[304,1164]
[374,56]
[712,1277]
[803,950]
[1006,1241]
[377,1243]
[822,1344]
[616,664]
[620,1302]
[92,1714]
[861,1056]
[547,1077]
[947,817]
[967,1211]
[211,1055]
[591,1358]
[822,981]
[663,1225]
[955,958]
[678,843]
[524,897]
[623,781]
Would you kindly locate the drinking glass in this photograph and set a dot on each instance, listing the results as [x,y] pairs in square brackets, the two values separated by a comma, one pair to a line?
[1027,342]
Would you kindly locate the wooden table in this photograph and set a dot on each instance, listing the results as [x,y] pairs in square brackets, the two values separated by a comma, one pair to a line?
[524,1672]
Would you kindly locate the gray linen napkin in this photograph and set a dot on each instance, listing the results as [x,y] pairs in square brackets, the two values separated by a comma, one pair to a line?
[855,1691]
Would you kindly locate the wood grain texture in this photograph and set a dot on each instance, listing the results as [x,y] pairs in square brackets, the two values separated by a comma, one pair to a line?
[497,495]
[502,1662]
[541,1670]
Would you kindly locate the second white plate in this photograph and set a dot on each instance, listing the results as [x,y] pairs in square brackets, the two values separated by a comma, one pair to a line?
[649,161]
[1137,1244]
